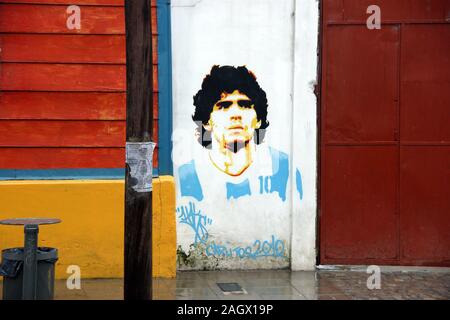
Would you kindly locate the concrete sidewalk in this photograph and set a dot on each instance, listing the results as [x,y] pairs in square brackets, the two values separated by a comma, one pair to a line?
[276,285]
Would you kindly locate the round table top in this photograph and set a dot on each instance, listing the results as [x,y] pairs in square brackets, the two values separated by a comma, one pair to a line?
[28,221]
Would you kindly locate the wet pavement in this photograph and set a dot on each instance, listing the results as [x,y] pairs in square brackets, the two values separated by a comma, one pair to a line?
[276,285]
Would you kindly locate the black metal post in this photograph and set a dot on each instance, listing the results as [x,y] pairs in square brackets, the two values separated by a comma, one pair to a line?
[30,262]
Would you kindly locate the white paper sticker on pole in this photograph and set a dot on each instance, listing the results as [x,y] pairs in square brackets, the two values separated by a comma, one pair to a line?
[139,156]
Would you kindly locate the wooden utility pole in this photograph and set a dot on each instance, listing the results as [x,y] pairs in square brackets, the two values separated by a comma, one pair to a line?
[138,195]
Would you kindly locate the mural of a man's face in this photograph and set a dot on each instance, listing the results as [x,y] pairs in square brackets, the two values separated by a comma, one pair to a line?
[233,119]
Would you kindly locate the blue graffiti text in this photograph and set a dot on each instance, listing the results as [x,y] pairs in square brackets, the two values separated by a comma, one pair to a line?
[268,248]
[197,221]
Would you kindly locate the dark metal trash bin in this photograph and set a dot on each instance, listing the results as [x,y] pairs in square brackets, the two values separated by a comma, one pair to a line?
[12,271]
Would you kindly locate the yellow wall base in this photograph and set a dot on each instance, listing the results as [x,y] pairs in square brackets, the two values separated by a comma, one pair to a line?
[91,234]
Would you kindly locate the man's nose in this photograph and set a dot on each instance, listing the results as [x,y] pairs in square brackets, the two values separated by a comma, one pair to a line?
[235,113]
[236,117]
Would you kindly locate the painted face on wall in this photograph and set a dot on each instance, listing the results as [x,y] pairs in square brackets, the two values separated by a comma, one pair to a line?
[233,119]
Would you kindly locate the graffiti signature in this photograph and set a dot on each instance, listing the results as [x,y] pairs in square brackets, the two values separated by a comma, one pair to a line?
[197,221]
[272,248]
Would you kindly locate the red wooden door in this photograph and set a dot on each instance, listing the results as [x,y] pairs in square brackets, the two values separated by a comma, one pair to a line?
[385,133]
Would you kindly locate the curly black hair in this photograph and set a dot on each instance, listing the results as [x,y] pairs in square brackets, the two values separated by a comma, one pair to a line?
[226,79]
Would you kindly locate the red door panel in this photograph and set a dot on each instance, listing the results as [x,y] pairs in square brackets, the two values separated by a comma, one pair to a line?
[425,107]
[362,95]
[385,134]
[360,198]
[425,204]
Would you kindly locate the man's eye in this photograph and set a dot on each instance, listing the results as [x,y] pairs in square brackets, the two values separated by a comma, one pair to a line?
[224,104]
[245,103]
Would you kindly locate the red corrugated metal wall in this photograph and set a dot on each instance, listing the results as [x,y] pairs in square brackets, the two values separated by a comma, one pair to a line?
[62,99]
[385,133]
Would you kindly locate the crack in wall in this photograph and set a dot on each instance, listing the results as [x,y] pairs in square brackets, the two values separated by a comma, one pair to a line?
[194,4]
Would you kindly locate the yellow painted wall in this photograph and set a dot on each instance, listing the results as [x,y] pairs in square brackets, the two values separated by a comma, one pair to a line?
[91,234]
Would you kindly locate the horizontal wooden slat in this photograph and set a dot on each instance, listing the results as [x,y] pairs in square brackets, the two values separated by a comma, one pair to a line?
[62,77]
[46,158]
[64,158]
[62,105]
[66,48]
[30,18]
[63,48]
[65,77]
[65,133]
[62,133]
[70,2]
[52,19]
[76,2]
[66,105]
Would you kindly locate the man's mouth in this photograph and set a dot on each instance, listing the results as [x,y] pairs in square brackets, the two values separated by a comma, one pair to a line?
[236,127]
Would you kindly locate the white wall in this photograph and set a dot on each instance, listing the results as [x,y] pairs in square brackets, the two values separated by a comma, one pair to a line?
[280,47]
[304,148]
